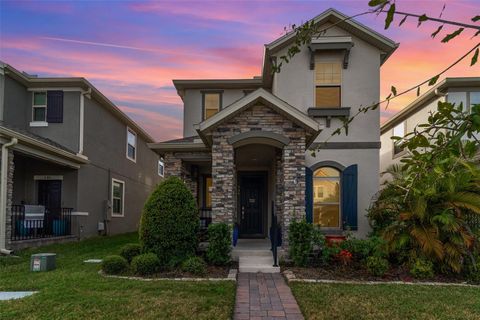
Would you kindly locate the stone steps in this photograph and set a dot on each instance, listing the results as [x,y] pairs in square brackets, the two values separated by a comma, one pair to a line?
[259,263]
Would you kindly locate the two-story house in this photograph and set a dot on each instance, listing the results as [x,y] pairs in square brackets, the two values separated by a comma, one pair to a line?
[72,163]
[464,90]
[253,147]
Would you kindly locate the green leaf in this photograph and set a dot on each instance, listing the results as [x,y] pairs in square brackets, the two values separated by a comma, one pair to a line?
[433,80]
[476,18]
[374,3]
[452,35]
[403,20]
[421,19]
[390,14]
[394,90]
[437,31]
[474,58]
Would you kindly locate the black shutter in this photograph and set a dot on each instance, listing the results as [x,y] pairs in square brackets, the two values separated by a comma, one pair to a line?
[308,194]
[55,106]
[349,197]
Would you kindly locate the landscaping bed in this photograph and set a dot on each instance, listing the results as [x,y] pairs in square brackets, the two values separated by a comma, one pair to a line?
[357,272]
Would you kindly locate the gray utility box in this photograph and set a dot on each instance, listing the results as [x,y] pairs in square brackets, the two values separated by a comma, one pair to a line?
[42,262]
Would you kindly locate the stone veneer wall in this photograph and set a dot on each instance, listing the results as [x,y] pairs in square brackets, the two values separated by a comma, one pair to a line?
[8,212]
[290,164]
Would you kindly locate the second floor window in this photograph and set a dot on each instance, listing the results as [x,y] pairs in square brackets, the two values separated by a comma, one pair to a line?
[39,107]
[48,106]
[211,104]
[328,80]
[398,131]
[131,145]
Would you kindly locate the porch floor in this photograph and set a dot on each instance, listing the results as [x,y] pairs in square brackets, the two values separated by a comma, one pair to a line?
[253,244]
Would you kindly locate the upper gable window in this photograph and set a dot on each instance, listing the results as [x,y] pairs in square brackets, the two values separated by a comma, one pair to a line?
[47,108]
[328,79]
[212,103]
[131,145]
[398,131]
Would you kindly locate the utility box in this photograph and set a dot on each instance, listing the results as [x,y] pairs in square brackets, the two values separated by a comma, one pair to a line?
[42,262]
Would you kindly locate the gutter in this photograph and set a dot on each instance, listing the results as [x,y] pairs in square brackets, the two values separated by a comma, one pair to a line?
[3,195]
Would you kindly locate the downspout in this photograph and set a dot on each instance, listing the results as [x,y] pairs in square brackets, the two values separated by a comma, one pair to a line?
[3,195]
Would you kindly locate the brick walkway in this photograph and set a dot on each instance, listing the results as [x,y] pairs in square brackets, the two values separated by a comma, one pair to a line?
[264,296]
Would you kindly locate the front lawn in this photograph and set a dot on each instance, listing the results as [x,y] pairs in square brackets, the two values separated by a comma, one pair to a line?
[75,290]
[346,301]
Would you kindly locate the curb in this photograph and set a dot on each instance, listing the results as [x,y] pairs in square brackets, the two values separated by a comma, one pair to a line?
[232,276]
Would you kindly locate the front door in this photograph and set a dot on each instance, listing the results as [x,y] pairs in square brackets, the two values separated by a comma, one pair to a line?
[252,204]
[50,195]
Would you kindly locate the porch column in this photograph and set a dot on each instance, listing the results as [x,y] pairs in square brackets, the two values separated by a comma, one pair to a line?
[223,180]
[176,167]
[293,165]
[9,199]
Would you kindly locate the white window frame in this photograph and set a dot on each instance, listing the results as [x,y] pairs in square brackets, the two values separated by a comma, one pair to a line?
[340,199]
[39,123]
[403,151]
[340,85]
[134,159]
[161,163]
[122,214]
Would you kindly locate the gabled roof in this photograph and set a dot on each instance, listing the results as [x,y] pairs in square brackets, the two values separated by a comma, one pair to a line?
[75,82]
[425,98]
[331,15]
[266,98]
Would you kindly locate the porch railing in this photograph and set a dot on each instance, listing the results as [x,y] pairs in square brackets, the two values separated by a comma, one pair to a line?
[56,222]
[274,236]
[205,218]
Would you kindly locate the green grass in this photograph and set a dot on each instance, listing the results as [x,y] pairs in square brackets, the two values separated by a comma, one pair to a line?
[347,301]
[75,290]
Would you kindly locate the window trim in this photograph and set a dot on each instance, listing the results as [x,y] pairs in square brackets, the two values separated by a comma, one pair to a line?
[161,162]
[39,123]
[220,107]
[136,144]
[339,85]
[403,151]
[338,168]
[113,214]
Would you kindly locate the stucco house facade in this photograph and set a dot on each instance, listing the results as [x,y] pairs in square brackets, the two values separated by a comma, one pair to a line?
[73,165]
[464,90]
[255,147]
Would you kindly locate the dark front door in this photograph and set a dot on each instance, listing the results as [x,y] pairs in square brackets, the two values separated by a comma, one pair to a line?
[50,195]
[252,202]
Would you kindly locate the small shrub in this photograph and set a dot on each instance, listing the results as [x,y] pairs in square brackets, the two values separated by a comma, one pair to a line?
[194,265]
[219,243]
[329,253]
[422,269]
[361,249]
[300,235]
[130,250]
[377,266]
[473,272]
[114,264]
[145,264]
[169,222]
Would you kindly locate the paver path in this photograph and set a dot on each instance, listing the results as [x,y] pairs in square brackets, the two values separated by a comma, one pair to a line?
[264,296]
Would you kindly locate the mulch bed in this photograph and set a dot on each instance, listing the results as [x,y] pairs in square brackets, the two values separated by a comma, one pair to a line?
[357,272]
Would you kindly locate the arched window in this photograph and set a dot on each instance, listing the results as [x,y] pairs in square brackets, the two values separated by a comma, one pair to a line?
[326,197]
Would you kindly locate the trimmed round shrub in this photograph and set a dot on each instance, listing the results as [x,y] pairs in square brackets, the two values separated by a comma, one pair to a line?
[130,250]
[145,264]
[114,264]
[219,244]
[194,265]
[377,266]
[473,272]
[169,222]
[422,269]
[300,235]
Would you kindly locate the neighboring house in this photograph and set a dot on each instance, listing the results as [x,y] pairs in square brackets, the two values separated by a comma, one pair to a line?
[454,90]
[73,164]
[248,143]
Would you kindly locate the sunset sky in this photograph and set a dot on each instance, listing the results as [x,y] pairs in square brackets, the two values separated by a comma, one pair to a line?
[132,50]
